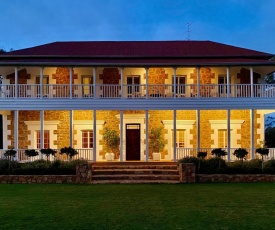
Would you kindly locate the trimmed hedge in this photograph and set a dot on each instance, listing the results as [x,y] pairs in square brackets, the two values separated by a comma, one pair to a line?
[211,166]
[39,167]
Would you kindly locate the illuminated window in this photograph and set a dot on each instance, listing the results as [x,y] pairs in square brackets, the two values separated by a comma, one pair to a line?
[133,83]
[222,138]
[46,139]
[45,83]
[87,139]
[87,81]
[180,138]
[180,84]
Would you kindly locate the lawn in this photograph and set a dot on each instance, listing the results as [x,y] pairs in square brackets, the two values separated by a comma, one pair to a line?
[156,206]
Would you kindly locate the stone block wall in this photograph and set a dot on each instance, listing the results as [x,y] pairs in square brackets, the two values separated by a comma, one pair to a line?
[188,174]
[83,176]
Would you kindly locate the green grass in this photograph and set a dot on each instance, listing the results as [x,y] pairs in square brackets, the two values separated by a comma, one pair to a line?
[181,206]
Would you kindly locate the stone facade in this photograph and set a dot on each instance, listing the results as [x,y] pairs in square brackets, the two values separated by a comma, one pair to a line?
[155,76]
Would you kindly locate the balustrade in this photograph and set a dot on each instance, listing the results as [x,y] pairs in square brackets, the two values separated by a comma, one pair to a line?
[137,91]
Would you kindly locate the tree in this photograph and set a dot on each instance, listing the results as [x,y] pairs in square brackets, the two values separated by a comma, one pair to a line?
[270,137]
[69,151]
[240,153]
[270,78]
[2,51]
[219,153]
[48,152]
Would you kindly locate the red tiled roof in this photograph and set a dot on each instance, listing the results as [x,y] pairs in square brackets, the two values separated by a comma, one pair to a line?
[139,49]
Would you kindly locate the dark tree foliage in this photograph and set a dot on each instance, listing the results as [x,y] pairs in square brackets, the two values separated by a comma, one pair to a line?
[270,78]
[270,137]
[2,51]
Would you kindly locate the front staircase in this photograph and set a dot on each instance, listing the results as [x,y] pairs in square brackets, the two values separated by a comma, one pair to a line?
[135,173]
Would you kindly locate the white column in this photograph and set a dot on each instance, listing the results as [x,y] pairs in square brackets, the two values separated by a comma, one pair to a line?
[121,82]
[252,132]
[94,133]
[198,81]
[16,82]
[251,82]
[175,136]
[174,82]
[71,82]
[71,128]
[147,90]
[94,82]
[121,136]
[228,135]
[228,81]
[15,136]
[41,83]
[198,130]
[147,135]
[41,132]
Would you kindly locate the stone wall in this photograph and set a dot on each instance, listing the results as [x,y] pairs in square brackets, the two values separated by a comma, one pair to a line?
[208,178]
[188,175]
[83,176]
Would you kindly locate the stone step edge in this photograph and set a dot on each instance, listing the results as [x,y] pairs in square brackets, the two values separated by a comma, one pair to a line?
[135,182]
[136,177]
[135,167]
[134,170]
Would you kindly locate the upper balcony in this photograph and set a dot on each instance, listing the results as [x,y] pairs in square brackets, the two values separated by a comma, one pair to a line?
[137,91]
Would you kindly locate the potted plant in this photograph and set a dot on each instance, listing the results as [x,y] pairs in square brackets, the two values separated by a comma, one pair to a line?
[69,151]
[111,140]
[263,151]
[48,152]
[10,154]
[240,153]
[156,142]
[219,152]
[31,152]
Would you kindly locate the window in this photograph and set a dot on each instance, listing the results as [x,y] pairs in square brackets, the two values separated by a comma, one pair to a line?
[222,81]
[87,81]
[222,138]
[45,82]
[87,139]
[133,83]
[180,85]
[46,139]
[180,138]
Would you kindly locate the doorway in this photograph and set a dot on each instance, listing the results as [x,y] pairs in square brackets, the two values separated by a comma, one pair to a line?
[132,142]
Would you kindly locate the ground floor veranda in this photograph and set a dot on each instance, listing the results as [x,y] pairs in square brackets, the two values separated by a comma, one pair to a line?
[184,132]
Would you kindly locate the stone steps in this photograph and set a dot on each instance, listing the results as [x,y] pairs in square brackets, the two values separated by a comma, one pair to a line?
[135,173]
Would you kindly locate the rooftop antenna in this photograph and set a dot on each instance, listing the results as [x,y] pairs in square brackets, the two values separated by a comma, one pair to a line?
[188,31]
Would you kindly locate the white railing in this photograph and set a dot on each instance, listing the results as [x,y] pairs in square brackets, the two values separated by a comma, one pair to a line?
[84,154]
[188,152]
[137,91]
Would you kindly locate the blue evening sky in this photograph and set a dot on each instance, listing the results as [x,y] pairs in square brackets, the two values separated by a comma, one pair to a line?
[245,23]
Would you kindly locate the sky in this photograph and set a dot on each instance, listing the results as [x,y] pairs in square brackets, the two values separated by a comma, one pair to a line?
[243,23]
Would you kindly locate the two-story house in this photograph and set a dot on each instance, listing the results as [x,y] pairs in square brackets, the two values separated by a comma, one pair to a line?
[202,94]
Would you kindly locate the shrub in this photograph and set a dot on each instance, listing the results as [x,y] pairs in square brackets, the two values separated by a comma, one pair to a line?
[31,152]
[48,152]
[202,155]
[213,165]
[240,153]
[69,151]
[10,154]
[269,166]
[218,152]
